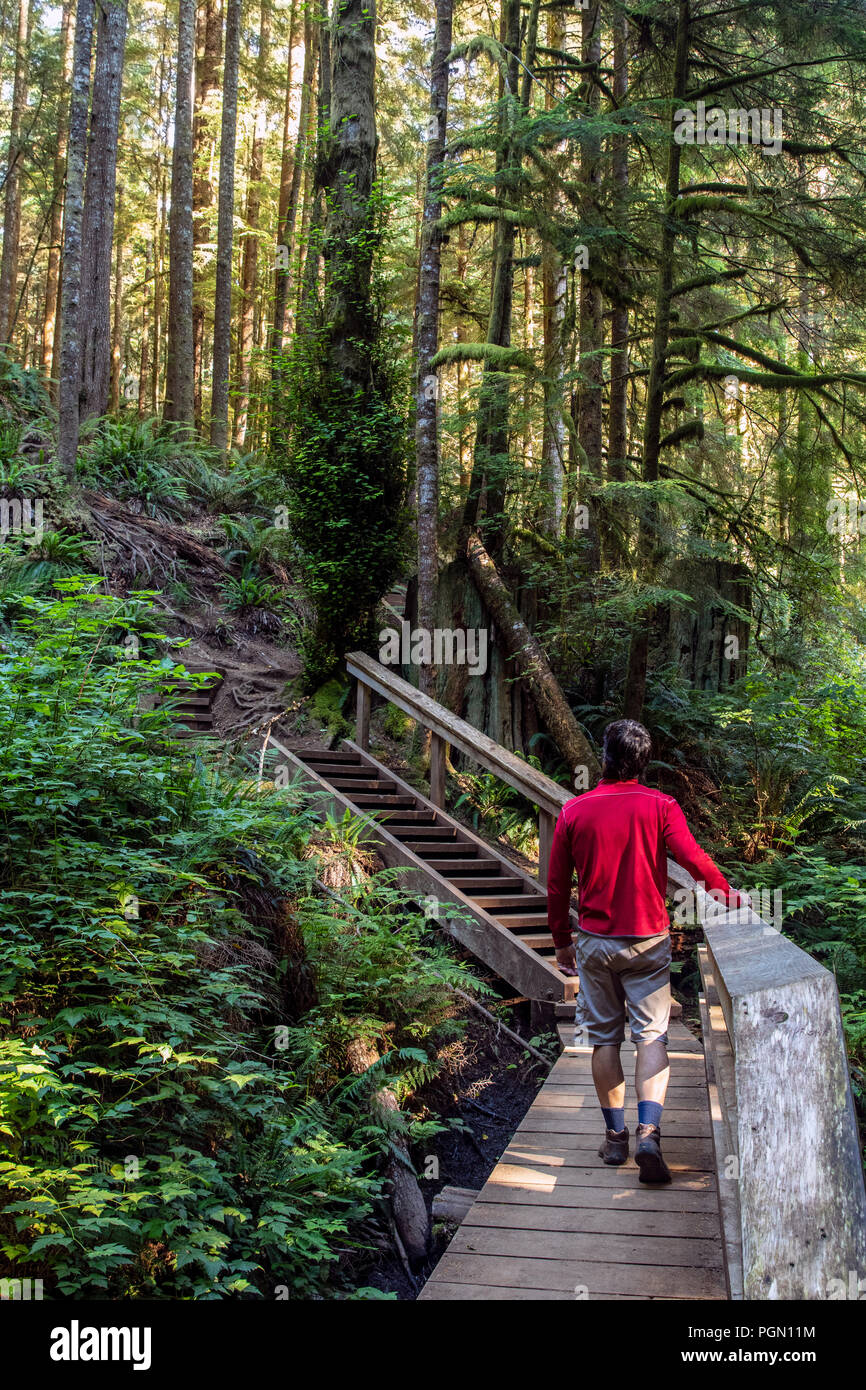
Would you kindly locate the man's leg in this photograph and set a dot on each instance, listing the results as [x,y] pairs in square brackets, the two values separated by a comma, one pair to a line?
[608,1076]
[601,1013]
[651,1071]
[647,986]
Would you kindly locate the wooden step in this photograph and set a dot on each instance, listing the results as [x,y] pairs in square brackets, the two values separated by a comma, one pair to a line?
[529,919]
[525,900]
[447,867]
[327,756]
[350,771]
[538,941]
[435,849]
[395,819]
[408,833]
[349,784]
[472,885]
[381,802]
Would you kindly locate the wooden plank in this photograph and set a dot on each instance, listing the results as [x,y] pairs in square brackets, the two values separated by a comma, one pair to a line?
[669,1224]
[538,1189]
[439,1291]
[546,827]
[631,1250]
[437,770]
[362,715]
[680,1155]
[583,1120]
[565,1169]
[598,1279]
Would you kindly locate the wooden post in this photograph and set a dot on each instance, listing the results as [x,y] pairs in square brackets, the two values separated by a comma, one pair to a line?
[797,1159]
[546,827]
[362,719]
[437,770]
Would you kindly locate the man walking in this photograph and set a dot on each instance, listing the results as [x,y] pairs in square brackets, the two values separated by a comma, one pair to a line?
[617,838]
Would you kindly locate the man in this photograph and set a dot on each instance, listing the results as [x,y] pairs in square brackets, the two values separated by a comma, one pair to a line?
[617,838]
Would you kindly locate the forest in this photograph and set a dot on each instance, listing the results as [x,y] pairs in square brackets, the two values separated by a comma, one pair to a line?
[365,326]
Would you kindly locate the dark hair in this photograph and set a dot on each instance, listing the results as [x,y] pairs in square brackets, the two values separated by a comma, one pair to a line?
[625,751]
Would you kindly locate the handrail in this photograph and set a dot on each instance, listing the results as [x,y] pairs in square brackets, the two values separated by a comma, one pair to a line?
[446,728]
[792,1181]
[534,785]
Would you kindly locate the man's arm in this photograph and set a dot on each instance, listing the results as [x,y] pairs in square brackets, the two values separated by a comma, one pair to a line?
[684,848]
[559,876]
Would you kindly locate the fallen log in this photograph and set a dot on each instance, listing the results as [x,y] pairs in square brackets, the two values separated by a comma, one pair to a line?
[407,1204]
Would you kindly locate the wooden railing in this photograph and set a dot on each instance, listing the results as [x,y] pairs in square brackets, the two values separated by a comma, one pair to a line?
[784,1130]
[446,728]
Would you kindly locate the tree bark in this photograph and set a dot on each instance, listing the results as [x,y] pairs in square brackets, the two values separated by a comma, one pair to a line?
[407,1203]
[219,419]
[290,179]
[619,364]
[180,357]
[648,534]
[554,291]
[12,189]
[117,333]
[50,335]
[70,357]
[144,360]
[209,40]
[589,396]
[99,199]
[530,662]
[250,260]
[490,459]
[352,169]
[427,385]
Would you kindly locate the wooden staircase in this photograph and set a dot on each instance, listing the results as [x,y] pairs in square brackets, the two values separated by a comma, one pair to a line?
[488,904]
[193,703]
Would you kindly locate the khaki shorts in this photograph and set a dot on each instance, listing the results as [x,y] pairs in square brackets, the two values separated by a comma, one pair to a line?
[620,974]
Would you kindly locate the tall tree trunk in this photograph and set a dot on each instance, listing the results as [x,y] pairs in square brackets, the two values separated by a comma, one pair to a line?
[589,396]
[12,189]
[290,179]
[50,336]
[99,198]
[219,416]
[648,534]
[427,384]
[311,198]
[618,421]
[555,291]
[250,260]
[70,353]
[117,333]
[490,461]
[347,246]
[180,359]
[209,39]
[144,360]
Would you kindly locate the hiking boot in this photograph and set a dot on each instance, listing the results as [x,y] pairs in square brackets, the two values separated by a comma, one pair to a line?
[614,1150]
[648,1155]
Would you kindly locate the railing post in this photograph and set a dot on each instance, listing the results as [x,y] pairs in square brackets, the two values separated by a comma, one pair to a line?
[437,770]
[546,827]
[362,717]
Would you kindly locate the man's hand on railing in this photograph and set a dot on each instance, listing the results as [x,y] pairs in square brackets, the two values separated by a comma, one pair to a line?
[566,959]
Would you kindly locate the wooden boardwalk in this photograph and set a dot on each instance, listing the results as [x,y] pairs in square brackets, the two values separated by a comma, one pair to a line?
[553,1223]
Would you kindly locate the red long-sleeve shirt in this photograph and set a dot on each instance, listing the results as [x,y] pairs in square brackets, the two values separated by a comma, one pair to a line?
[617,838]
